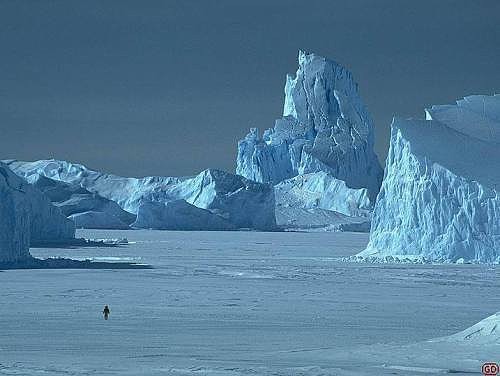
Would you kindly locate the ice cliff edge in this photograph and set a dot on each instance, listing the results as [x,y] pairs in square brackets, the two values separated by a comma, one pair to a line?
[27,217]
[440,197]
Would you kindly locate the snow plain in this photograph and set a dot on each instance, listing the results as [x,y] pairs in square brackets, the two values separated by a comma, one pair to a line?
[242,303]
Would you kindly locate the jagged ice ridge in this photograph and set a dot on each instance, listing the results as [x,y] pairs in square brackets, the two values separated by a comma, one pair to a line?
[325,127]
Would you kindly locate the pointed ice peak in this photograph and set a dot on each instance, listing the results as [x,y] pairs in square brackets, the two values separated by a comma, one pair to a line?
[303,56]
[311,93]
[306,57]
[325,127]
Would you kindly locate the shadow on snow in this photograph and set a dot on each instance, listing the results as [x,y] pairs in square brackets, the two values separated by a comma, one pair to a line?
[66,263]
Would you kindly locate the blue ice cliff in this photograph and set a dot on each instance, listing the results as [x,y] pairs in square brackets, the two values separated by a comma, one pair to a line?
[27,217]
[440,197]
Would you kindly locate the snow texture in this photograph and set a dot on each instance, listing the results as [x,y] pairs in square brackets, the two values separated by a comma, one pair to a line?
[242,202]
[26,217]
[325,127]
[439,200]
[178,215]
[241,304]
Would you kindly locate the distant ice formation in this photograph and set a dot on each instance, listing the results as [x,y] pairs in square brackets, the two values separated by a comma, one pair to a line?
[325,127]
[318,200]
[241,202]
[86,209]
[27,217]
[321,190]
[98,220]
[320,153]
[179,215]
[291,218]
[440,198]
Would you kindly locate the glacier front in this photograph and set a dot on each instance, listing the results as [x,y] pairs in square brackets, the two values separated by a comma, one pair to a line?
[240,202]
[14,218]
[27,217]
[440,198]
[325,127]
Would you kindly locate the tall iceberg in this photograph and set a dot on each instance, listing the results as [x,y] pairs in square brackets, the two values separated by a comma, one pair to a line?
[27,217]
[319,155]
[325,127]
[240,202]
[440,197]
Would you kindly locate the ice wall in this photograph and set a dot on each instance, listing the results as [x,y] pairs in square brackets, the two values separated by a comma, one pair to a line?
[440,199]
[27,217]
[14,218]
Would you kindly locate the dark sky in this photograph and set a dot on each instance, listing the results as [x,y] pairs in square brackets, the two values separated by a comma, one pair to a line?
[168,87]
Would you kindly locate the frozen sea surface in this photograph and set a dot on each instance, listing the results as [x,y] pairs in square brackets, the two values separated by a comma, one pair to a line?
[241,303]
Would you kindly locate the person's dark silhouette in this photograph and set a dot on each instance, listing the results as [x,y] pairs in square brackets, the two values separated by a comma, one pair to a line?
[106,312]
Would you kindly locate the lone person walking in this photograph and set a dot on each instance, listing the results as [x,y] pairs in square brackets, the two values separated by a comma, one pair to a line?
[106,312]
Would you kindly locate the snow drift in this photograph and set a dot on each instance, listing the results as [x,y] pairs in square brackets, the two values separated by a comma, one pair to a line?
[239,201]
[439,200]
[27,217]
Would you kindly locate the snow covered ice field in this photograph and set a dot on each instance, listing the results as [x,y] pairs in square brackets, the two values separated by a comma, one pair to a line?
[242,303]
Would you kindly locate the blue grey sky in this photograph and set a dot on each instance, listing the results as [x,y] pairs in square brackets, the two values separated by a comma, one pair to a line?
[168,87]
